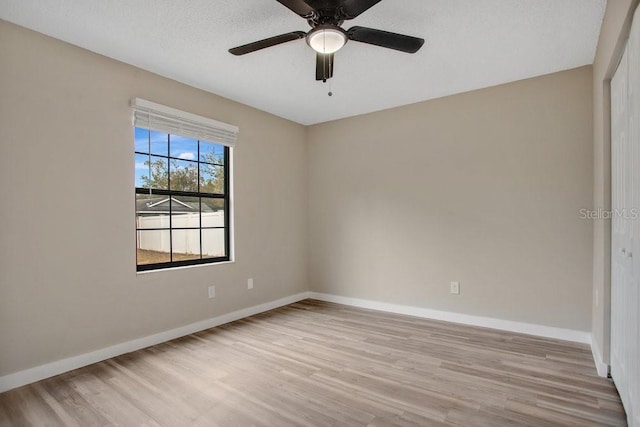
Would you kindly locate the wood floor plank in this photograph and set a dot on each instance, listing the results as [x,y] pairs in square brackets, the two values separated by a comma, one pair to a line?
[314,363]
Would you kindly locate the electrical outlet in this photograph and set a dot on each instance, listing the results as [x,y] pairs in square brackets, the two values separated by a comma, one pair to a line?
[250,284]
[455,288]
[212,291]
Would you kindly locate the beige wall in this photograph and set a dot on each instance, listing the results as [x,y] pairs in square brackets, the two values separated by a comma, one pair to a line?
[68,282]
[614,32]
[484,188]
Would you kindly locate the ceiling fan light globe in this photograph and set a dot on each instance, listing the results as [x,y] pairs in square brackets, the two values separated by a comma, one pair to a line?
[326,40]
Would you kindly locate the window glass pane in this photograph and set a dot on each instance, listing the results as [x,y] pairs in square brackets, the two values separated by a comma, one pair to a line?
[211,153]
[185,244]
[212,212]
[159,143]
[142,170]
[152,211]
[159,172]
[184,148]
[213,242]
[142,140]
[185,212]
[184,175]
[153,246]
[211,178]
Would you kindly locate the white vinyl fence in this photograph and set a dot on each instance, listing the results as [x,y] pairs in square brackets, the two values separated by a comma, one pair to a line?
[184,241]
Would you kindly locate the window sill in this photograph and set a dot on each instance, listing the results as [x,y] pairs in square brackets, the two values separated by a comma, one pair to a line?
[184,267]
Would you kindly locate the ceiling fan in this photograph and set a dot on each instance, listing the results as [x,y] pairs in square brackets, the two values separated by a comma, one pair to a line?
[326,35]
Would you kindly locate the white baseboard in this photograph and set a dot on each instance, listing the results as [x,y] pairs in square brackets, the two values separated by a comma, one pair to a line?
[41,372]
[466,319]
[601,367]
[38,373]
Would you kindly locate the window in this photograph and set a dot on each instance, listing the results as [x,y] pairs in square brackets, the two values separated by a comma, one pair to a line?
[182,194]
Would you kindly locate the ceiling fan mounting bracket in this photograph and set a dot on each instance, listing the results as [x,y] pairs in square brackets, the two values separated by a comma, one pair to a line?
[327,17]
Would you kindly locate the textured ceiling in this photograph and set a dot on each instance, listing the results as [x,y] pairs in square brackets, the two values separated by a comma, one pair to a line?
[470,44]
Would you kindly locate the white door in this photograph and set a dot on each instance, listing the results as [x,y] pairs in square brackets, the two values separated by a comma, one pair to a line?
[625,239]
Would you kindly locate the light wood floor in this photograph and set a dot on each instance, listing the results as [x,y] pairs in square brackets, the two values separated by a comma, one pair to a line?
[319,364]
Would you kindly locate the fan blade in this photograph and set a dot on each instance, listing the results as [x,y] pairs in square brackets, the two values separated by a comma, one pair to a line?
[353,8]
[271,41]
[299,7]
[324,66]
[386,39]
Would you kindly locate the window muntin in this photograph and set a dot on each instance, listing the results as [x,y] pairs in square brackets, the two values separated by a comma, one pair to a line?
[182,201]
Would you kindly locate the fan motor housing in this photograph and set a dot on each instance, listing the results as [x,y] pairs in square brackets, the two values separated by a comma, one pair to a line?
[327,38]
